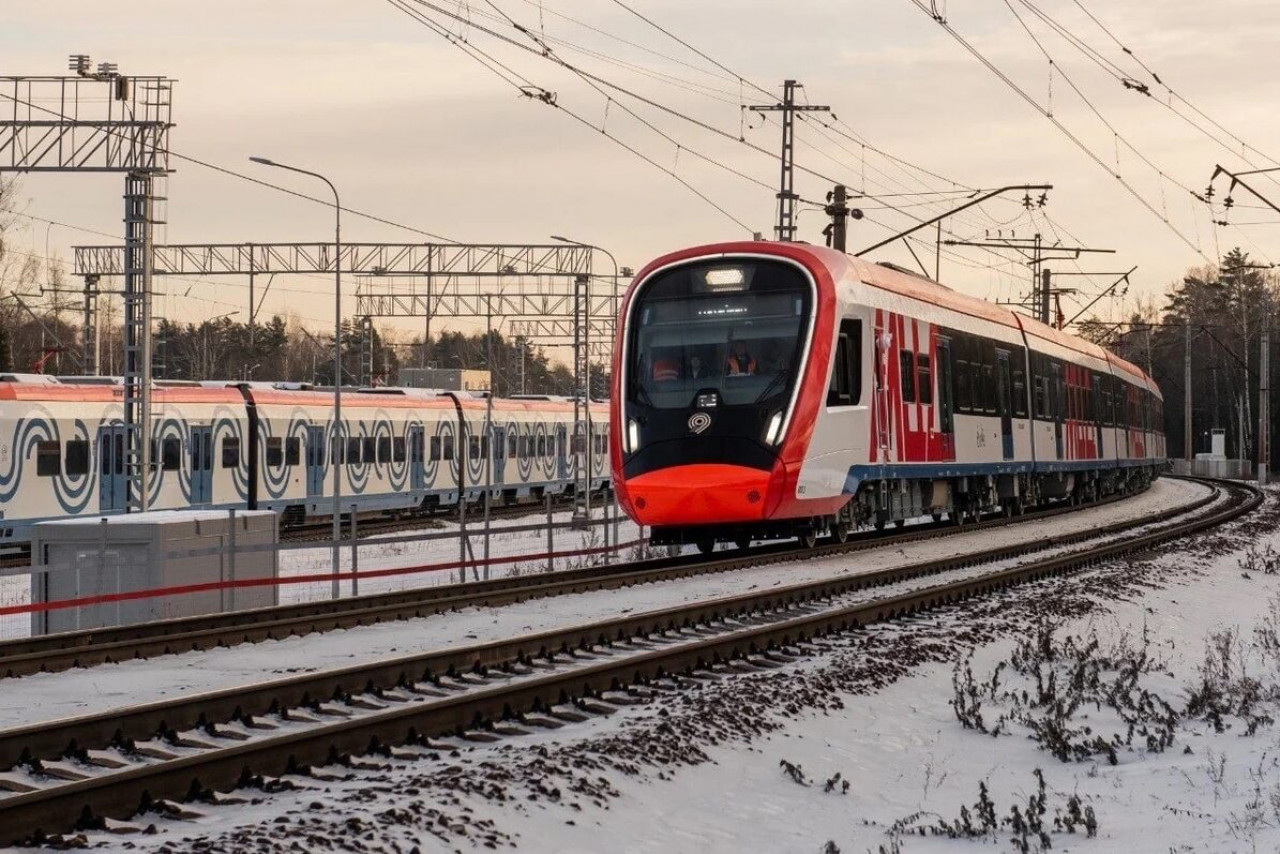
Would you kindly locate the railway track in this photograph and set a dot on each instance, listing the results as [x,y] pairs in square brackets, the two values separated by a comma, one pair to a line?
[61,651]
[82,771]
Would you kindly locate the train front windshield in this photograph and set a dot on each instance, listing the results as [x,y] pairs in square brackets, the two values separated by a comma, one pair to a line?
[721,338]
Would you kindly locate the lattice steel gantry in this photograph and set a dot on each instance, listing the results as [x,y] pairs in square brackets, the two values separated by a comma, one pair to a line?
[101,121]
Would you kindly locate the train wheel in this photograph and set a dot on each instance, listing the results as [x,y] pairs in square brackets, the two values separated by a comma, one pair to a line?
[839,533]
[706,545]
[808,539]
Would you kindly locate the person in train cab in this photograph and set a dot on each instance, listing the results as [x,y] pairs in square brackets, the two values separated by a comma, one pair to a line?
[665,370]
[740,363]
[696,370]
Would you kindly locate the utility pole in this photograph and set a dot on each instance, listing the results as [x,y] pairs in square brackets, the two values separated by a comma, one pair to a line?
[785,230]
[1264,402]
[1186,403]
[1045,290]
[838,209]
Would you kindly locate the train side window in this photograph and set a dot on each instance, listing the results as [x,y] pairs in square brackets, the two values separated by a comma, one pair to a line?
[484,447]
[989,388]
[353,452]
[448,447]
[907,362]
[384,449]
[230,453]
[1019,392]
[48,459]
[964,400]
[846,371]
[336,457]
[925,373]
[560,445]
[542,446]
[513,444]
[275,452]
[473,447]
[435,448]
[292,451]
[77,462]
[369,449]
[397,449]
[171,455]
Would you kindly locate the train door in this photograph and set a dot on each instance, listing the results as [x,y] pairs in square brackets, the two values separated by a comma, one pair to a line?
[112,482]
[499,450]
[1095,396]
[946,404]
[417,459]
[201,457]
[884,433]
[315,461]
[561,455]
[1004,399]
[1057,403]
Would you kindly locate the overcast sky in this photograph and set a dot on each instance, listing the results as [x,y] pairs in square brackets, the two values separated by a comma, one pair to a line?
[413,130]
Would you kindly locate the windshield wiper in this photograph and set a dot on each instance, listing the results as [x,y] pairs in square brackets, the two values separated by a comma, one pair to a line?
[773,385]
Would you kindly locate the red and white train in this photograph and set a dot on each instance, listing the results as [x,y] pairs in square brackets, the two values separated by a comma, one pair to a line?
[771,390]
[258,446]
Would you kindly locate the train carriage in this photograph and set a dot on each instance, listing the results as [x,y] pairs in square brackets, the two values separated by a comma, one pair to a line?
[777,389]
[62,451]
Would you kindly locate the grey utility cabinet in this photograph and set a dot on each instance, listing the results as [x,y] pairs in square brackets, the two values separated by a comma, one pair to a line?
[98,558]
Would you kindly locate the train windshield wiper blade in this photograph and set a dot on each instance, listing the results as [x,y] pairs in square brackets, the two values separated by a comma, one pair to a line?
[772,386]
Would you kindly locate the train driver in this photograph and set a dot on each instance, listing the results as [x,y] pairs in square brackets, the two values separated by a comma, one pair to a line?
[740,362]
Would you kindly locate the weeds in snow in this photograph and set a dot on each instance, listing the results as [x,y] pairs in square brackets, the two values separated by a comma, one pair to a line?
[1224,688]
[1262,561]
[1050,682]
[1028,824]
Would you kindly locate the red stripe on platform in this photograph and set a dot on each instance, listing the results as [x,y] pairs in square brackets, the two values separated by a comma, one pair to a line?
[183,589]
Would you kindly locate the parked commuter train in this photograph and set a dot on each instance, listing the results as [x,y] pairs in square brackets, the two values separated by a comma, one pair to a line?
[772,390]
[258,446]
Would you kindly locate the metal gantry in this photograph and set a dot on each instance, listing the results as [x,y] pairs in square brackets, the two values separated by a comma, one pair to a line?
[101,121]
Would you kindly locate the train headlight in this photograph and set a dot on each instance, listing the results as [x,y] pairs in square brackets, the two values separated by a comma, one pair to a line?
[773,432]
[633,436]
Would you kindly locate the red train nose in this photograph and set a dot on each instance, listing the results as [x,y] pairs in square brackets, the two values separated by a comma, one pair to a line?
[695,494]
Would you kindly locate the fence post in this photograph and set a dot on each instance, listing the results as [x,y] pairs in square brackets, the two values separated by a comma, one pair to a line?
[232,558]
[355,555]
[551,539]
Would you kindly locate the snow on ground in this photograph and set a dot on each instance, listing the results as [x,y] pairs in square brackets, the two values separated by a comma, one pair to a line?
[49,696]
[750,763]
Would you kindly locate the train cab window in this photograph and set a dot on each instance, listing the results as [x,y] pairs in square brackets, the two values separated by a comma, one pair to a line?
[230,453]
[448,447]
[398,449]
[171,455]
[845,388]
[292,451]
[353,452]
[77,460]
[907,362]
[275,452]
[924,375]
[48,459]
[384,449]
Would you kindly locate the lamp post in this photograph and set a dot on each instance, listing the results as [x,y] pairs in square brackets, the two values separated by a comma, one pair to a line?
[586,345]
[334,450]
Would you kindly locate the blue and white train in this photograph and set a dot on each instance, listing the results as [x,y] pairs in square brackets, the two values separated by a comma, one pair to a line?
[256,446]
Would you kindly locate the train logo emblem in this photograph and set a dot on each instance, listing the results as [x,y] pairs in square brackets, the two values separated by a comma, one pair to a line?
[698,422]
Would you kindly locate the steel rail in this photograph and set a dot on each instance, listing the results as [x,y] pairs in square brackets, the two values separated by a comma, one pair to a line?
[118,795]
[52,653]
[72,736]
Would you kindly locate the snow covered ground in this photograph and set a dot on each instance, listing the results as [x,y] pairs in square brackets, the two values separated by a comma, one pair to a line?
[48,696]
[750,763]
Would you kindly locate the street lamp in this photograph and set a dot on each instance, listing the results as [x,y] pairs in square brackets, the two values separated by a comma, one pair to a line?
[337,357]
[586,345]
